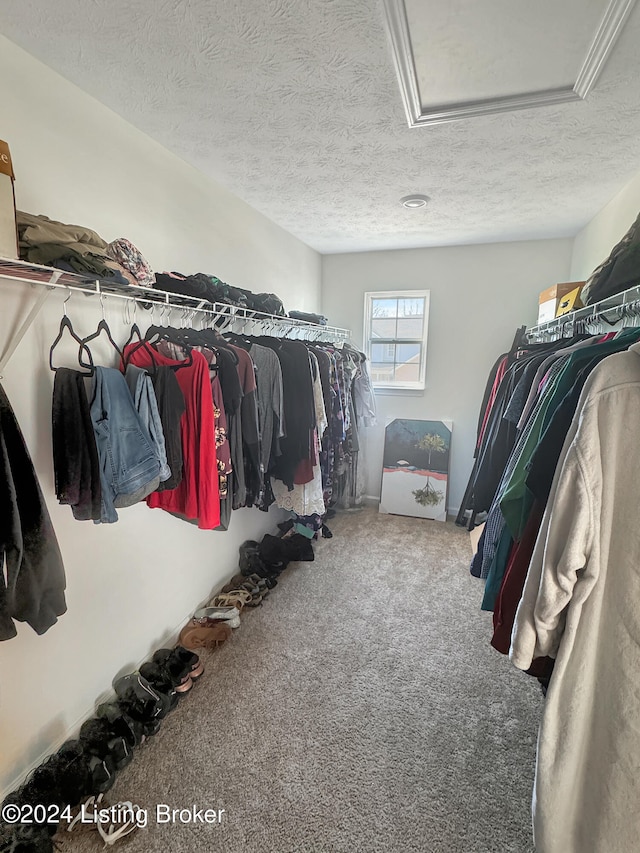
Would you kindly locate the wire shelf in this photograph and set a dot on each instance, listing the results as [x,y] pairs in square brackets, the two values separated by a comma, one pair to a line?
[35,274]
[622,306]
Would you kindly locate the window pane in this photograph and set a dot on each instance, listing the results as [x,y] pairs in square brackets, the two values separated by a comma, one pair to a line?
[396,337]
[411,307]
[383,353]
[407,372]
[410,328]
[408,352]
[384,328]
[384,307]
[381,372]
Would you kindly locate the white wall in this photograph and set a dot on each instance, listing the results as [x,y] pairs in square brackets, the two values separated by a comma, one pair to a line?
[479,296]
[130,585]
[594,243]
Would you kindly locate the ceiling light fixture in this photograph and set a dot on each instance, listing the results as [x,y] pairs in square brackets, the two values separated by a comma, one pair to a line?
[414,201]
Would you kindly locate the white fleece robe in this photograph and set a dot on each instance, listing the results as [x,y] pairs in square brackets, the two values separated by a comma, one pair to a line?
[581,605]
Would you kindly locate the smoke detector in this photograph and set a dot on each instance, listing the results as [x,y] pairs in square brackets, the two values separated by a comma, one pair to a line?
[413,202]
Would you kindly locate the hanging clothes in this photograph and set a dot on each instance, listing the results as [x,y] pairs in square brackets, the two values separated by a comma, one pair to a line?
[308,498]
[223,450]
[579,605]
[76,464]
[34,588]
[249,427]
[197,497]
[129,466]
[363,394]
[171,408]
[270,416]
[299,410]
[146,404]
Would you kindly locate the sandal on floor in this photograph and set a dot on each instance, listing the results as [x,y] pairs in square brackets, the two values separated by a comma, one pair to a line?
[236,598]
[196,636]
[260,582]
[208,615]
[235,583]
[84,819]
[259,590]
[125,825]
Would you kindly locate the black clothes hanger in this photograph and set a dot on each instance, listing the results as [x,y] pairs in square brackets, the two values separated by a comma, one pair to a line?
[193,337]
[213,338]
[166,333]
[142,345]
[65,323]
[135,330]
[103,326]
[240,340]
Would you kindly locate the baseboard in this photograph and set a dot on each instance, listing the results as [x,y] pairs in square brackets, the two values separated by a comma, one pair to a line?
[374,500]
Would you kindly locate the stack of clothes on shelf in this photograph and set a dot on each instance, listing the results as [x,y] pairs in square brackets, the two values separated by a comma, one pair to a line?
[209,288]
[213,423]
[80,250]
[557,472]
[307,317]
[76,249]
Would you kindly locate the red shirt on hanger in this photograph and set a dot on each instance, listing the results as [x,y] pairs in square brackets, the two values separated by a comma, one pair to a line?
[198,495]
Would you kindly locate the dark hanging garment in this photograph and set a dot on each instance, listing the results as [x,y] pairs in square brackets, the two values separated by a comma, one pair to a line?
[249,430]
[35,581]
[75,455]
[299,409]
[171,407]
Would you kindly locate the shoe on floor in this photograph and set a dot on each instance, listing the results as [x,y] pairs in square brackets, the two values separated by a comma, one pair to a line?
[234,598]
[206,615]
[196,636]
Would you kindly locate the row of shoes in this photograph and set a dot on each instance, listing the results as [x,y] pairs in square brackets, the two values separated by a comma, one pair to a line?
[87,766]
[213,625]
[260,565]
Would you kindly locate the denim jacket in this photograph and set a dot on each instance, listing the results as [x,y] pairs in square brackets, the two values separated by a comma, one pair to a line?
[129,467]
[144,399]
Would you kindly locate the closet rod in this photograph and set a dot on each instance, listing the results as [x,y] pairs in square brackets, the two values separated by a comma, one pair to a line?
[564,326]
[35,274]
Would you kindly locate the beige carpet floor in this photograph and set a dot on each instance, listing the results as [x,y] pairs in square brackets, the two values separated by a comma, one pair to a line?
[360,708]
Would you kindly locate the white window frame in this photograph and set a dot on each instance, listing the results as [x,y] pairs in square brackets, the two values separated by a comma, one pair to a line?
[369,296]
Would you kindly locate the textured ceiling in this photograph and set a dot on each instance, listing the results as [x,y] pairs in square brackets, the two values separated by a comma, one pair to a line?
[294,105]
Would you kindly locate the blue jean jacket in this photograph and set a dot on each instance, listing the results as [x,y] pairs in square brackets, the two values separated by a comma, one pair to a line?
[144,399]
[128,461]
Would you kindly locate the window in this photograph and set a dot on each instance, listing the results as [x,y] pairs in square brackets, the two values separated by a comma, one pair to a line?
[396,337]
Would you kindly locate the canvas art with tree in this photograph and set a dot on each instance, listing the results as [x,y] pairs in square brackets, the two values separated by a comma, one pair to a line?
[415,468]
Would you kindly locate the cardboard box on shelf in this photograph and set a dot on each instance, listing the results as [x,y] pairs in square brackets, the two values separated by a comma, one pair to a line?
[8,229]
[549,299]
[571,301]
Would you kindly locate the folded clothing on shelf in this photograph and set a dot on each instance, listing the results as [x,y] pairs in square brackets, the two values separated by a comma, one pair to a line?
[212,289]
[64,257]
[316,319]
[80,250]
[129,257]
[35,230]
